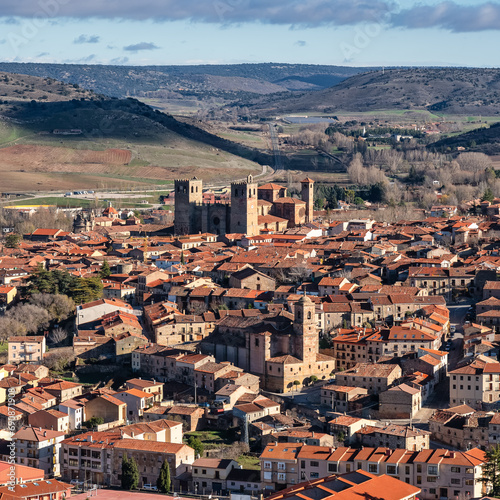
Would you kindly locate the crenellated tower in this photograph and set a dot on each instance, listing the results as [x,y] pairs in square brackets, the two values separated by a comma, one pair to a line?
[188,201]
[244,207]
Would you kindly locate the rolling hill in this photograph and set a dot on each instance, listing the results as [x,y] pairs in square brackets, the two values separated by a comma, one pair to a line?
[461,91]
[228,82]
[48,131]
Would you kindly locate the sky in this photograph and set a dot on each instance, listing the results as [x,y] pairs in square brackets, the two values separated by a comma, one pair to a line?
[338,32]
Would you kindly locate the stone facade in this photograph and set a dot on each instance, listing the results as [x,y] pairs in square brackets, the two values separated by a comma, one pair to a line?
[251,208]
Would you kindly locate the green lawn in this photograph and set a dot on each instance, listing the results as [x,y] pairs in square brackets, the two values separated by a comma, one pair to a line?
[4,347]
[213,439]
[249,462]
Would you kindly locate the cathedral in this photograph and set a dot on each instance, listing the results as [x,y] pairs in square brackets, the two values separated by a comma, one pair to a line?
[252,209]
[282,348]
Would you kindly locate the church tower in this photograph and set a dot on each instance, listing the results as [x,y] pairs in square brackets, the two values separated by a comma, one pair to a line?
[308,197]
[244,208]
[304,326]
[188,202]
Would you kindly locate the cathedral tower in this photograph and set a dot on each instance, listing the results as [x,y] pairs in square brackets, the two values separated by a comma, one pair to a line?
[188,201]
[308,197]
[244,208]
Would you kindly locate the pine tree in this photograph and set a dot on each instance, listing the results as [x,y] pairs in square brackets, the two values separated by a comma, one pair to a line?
[491,470]
[163,481]
[105,270]
[130,474]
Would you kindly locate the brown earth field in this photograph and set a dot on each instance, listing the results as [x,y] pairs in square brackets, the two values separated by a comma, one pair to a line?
[27,167]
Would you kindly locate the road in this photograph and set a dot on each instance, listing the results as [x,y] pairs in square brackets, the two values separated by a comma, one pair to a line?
[278,161]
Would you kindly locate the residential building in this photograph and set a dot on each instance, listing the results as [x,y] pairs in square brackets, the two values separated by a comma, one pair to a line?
[147,386]
[349,486]
[476,384]
[210,475]
[40,448]
[24,349]
[401,401]
[75,411]
[438,473]
[374,378]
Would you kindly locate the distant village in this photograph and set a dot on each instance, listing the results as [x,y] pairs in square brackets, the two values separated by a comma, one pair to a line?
[257,347]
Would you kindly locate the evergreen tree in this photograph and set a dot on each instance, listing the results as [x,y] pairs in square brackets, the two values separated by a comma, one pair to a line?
[196,444]
[163,482]
[130,474]
[491,470]
[13,240]
[105,270]
[488,195]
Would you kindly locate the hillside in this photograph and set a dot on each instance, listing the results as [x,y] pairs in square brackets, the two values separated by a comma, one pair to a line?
[462,91]
[40,117]
[227,82]
[484,140]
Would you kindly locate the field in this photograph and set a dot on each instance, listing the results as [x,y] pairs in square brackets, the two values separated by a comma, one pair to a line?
[44,162]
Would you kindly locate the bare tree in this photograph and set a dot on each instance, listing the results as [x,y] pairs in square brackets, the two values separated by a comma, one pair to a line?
[355,170]
[197,308]
[10,327]
[32,317]
[300,272]
[476,163]
[59,359]
[60,307]
[58,335]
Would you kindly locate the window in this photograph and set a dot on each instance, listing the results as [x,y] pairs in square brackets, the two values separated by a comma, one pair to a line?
[281,476]
[373,468]
[268,476]
[332,467]
[455,469]
[267,465]
[455,480]
[314,475]
[314,464]
[469,482]
[281,466]
[432,470]
[391,469]
[431,479]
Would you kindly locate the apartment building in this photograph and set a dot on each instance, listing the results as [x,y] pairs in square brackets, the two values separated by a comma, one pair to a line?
[23,349]
[97,458]
[148,386]
[39,448]
[476,384]
[362,345]
[438,473]
[394,436]
[354,485]
[75,411]
[374,378]
[210,475]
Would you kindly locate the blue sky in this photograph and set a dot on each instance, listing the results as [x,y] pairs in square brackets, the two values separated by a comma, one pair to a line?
[350,32]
